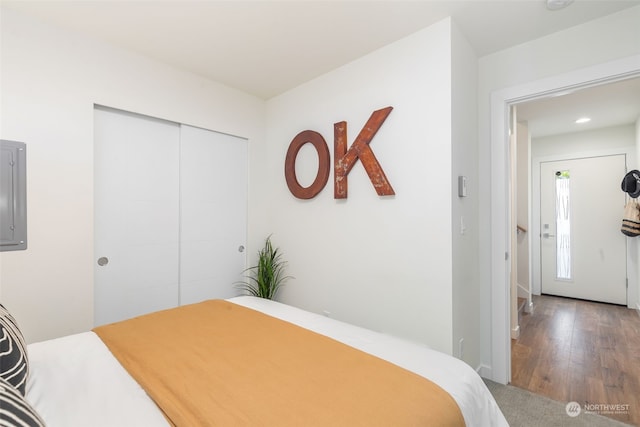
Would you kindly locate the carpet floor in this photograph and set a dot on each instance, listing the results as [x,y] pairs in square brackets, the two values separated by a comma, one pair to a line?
[522,408]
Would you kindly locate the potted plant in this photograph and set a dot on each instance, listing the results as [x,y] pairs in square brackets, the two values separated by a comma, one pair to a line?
[266,278]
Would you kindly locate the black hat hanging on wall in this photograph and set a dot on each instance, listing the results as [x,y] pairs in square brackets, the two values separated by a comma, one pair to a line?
[631,183]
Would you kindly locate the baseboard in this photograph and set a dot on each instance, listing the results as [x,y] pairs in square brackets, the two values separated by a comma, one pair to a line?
[528,308]
[484,371]
[638,308]
[523,291]
[515,332]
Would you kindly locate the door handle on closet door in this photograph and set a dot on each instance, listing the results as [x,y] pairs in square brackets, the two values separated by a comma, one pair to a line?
[547,235]
[102,261]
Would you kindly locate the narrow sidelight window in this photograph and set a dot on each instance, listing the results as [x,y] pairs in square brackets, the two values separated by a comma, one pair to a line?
[563,225]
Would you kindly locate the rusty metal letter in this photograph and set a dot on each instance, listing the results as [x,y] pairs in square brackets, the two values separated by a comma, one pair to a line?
[318,142]
[345,160]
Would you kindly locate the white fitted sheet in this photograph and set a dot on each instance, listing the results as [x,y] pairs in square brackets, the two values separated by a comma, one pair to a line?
[76,382]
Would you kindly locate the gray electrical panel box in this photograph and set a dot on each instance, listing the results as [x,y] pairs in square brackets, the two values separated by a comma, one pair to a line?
[13,195]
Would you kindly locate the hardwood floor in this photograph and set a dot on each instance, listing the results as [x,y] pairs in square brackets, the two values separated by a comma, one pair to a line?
[581,351]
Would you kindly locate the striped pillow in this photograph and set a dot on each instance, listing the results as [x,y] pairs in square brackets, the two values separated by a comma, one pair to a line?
[15,411]
[14,367]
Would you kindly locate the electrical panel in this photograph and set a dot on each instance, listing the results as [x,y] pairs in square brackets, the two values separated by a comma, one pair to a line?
[13,195]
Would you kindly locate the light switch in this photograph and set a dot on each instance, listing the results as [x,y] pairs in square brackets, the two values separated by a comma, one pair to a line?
[462,186]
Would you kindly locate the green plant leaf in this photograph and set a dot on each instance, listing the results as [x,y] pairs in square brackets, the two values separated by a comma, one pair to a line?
[265,279]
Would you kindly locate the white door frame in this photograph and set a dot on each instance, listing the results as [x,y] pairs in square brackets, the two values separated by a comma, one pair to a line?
[501,101]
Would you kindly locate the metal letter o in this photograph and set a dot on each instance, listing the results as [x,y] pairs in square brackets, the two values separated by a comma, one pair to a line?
[318,142]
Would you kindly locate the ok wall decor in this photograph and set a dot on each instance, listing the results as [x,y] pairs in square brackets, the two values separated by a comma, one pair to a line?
[344,159]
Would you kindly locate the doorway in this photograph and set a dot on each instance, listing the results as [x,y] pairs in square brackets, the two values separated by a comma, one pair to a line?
[550,352]
[501,227]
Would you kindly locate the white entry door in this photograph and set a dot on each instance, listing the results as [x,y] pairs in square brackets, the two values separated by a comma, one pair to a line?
[170,214]
[583,253]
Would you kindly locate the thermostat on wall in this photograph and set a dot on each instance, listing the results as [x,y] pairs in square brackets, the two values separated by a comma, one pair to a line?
[462,186]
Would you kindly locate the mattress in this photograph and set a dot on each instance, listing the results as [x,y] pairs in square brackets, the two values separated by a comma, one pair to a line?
[75,380]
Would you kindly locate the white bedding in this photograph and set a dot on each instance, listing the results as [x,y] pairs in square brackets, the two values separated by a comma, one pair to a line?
[75,381]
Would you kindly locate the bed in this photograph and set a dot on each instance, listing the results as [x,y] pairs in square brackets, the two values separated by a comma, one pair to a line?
[78,380]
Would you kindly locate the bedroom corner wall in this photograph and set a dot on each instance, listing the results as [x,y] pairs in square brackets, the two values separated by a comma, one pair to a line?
[381,262]
[600,41]
[50,80]
[464,125]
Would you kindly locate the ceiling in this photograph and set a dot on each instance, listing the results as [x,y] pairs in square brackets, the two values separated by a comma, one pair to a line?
[611,104]
[267,47]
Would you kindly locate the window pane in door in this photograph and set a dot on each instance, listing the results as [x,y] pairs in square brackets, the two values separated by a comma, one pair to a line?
[563,225]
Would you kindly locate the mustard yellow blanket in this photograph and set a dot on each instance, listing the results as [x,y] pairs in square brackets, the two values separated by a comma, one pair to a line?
[220,364]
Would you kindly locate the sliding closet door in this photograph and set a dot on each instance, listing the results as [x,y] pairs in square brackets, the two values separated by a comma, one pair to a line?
[213,188]
[170,214]
[136,215]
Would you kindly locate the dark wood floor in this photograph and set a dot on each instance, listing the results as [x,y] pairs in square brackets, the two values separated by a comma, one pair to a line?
[580,351]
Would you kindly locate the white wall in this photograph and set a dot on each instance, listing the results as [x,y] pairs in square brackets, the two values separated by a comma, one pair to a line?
[613,37]
[614,139]
[465,226]
[381,262]
[50,81]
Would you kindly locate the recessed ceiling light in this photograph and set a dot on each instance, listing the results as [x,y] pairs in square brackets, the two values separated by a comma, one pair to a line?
[583,120]
[558,4]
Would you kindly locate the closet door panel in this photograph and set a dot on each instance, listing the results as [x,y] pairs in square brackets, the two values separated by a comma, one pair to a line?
[213,187]
[136,214]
